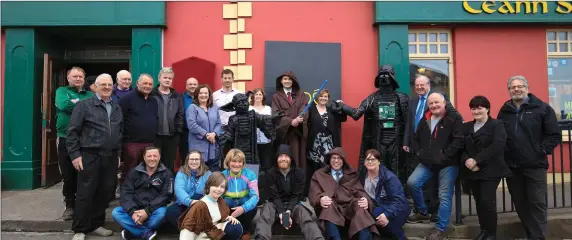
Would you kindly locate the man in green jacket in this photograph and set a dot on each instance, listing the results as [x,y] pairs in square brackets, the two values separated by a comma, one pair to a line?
[66,99]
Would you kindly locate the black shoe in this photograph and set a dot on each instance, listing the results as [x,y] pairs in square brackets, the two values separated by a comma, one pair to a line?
[418,218]
[68,214]
[126,235]
[482,235]
[434,217]
[490,236]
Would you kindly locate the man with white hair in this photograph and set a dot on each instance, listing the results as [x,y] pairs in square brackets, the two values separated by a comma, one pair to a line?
[123,85]
[437,144]
[532,134]
[93,141]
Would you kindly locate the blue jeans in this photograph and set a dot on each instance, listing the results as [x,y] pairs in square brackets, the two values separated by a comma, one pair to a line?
[139,231]
[447,177]
[333,232]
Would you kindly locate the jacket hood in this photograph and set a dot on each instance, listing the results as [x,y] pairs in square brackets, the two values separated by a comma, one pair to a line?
[295,84]
[285,149]
[532,101]
[338,151]
[387,68]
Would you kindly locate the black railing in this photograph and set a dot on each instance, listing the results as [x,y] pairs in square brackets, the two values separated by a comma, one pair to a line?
[559,181]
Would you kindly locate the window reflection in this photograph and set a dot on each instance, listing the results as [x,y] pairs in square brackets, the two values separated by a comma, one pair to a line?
[560,86]
[436,69]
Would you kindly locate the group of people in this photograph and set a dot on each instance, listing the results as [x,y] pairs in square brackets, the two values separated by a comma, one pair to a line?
[275,157]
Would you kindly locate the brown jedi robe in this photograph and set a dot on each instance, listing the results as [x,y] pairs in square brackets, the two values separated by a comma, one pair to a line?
[285,133]
[345,195]
[197,219]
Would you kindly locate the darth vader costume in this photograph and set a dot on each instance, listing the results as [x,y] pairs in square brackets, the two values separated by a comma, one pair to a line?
[385,113]
[240,132]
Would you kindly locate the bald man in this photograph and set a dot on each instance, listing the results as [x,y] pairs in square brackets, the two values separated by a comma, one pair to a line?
[437,144]
[190,86]
[122,85]
[93,140]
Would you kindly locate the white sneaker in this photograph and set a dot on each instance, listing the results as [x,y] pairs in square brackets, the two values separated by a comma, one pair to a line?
[78,236]
[102,232]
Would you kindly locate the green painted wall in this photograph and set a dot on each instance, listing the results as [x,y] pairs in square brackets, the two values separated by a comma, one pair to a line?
[21,163]
[114,13]
[393,49]
[146,52]
[453,12]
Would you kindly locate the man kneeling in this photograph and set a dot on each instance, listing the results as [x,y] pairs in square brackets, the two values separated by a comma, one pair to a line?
[286,185]
[340,200]
[145,194]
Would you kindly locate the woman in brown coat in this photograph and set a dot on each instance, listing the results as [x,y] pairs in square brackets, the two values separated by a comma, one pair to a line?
[210,218]
[340,200]
[291,129]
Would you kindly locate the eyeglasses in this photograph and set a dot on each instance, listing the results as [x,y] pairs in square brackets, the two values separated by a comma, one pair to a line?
[194,159]
[518,86]
[370,159]
[105,84]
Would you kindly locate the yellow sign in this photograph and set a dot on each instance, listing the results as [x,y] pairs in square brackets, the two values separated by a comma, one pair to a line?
[516,7]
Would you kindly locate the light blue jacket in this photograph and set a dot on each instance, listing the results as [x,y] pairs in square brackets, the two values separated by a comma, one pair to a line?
[185,195]
[242,189]
[200,123]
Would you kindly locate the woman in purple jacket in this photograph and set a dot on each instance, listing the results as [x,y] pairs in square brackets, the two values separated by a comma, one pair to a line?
[204,125]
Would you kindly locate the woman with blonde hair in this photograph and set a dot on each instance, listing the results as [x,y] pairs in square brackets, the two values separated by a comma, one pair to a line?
[242,195]
[189,185]
[210,218]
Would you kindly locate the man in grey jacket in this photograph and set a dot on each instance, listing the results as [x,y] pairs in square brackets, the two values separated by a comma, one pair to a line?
[93,141]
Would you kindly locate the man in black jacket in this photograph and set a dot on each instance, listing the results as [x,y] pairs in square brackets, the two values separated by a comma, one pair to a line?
[532,134]
[93,140]
[286,185]
[144,197]
[437,145]
[171,117]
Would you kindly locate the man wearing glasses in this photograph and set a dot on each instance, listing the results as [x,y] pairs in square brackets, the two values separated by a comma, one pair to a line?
[532,134]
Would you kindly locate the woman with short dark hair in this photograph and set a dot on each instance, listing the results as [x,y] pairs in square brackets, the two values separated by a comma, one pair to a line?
[483,158]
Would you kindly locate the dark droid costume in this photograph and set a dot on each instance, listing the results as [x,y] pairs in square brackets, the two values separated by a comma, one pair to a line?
[240,132]
[384,124]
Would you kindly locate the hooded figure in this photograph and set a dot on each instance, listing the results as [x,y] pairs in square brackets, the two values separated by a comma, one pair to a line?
[291,129]
[385,118]
[345,194]
[240,132]
[286,188]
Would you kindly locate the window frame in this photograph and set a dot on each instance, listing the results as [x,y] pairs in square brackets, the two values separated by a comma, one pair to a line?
[565,136]
[437,56]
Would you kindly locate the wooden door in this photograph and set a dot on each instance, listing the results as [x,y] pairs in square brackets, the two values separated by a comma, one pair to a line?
[51,79]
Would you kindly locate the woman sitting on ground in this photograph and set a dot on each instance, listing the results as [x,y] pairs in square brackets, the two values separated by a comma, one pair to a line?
[209,218]
[189,185]
[391,207]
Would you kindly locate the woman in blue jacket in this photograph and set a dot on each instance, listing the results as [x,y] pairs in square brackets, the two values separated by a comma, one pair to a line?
[242,189]
[391,208]
[204,125]
[189,185]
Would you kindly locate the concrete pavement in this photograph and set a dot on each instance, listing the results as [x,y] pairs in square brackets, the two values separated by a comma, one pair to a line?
[40,210]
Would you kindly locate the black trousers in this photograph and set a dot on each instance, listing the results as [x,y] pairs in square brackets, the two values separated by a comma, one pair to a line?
[68,172]
[527,188]
[485,195]
[95,183]
[266,156]
[168,146]
[184,145]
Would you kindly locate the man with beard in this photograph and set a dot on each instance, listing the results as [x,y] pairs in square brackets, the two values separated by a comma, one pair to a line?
[532,134]
[286,186]
[140,117]
[171,117]
[93,141]
[123,85]
[66,99]
[385,118]
[190,86]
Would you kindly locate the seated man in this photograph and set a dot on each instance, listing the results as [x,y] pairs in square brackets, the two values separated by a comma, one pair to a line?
[145,194]
[286,186]
[339,199]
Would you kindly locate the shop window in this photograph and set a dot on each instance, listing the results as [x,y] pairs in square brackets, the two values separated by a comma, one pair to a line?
[430,54]
[560,72]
